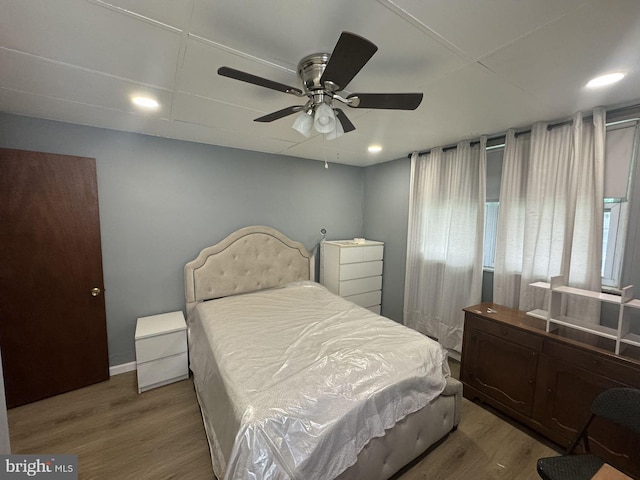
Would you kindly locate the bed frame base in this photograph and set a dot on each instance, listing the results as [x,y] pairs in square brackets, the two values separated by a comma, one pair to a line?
[412,436]
[254,258]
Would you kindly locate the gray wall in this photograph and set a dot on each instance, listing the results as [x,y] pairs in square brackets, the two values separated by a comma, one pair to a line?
[162,201]
[386,213]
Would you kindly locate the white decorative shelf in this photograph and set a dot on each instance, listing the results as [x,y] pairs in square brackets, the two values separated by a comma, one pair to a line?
[543,314]
[555,315]
[602,297]
[631,339]
[633,304]
[583,326]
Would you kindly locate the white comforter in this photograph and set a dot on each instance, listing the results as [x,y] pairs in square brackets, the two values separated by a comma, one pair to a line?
[308,380]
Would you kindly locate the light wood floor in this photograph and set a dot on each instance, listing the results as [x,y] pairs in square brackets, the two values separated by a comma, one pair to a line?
[118,434]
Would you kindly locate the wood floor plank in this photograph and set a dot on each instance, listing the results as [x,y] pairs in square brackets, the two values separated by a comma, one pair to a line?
[483,447]
[119,434]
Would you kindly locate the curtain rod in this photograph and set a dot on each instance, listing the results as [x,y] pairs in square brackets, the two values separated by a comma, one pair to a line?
[502,137]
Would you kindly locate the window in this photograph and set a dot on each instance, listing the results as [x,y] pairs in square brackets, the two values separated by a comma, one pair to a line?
[620,158]
[613,236]
[490,233]
[494,177]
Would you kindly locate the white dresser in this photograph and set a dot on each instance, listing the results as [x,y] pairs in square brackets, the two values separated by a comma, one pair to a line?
[353,270]
[161,350]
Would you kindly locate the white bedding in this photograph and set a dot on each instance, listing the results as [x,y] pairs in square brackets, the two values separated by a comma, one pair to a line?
[295,381]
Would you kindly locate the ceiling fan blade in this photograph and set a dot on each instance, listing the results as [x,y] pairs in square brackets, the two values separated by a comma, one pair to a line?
[350,54]
[255,80]
[392,101]
[347,126]
[279,114]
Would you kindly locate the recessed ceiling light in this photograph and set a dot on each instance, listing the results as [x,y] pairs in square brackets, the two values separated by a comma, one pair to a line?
[145,102]
[375,149]
[604,80]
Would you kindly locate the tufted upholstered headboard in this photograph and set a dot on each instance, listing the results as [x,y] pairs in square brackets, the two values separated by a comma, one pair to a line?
[250,259]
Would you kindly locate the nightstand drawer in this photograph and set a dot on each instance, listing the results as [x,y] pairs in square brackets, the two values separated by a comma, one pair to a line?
[159,346]
[160,372]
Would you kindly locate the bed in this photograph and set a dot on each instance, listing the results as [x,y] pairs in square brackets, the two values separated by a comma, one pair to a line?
[294,382]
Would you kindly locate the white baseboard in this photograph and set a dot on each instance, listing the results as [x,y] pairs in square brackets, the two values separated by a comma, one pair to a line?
[454,355]
[122,368]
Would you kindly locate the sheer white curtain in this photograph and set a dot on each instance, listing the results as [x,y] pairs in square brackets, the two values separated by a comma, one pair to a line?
[444,241]
[510,232]
[551,209]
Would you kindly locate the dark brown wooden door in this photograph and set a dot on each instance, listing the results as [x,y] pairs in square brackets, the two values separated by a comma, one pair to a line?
[504,370]
[565,393]
[563,403]
[52,326]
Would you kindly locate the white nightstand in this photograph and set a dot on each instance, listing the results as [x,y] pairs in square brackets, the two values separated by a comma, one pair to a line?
[161,350]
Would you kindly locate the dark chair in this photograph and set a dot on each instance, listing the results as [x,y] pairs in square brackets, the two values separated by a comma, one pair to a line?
[618,405]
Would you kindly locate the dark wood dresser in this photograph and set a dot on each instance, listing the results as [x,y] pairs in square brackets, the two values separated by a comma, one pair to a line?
[546,381]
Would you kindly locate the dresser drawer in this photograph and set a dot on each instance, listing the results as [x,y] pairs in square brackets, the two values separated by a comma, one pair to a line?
[361,254]
[162,371]
[360,270]
[368,299]
[161,345]
[505,332]
[360,285]
[591,361]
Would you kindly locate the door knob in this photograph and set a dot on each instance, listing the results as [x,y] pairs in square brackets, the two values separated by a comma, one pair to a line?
[95,291]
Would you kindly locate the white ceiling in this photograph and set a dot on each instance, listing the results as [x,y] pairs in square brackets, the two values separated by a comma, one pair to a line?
[483,65]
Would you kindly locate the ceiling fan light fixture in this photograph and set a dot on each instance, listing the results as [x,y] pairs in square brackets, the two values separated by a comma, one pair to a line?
[336,132]
[324,76]
[324,120]
[304,123]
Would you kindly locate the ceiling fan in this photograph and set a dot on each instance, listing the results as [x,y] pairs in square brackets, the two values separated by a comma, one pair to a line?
[323,76]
